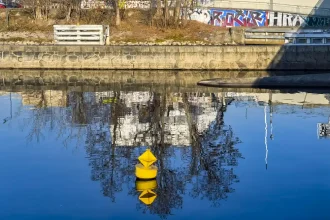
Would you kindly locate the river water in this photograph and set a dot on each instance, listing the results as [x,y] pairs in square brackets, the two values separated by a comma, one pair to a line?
[222,154]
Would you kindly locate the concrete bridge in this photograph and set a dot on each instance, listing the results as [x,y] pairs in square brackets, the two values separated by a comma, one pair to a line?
[303,7]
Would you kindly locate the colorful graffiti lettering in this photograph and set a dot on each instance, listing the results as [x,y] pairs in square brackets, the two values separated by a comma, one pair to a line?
[284,19]
[238,18]
[291,20]
[251,18]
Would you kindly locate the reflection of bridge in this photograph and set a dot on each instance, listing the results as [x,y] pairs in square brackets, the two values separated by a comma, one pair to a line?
[302,99]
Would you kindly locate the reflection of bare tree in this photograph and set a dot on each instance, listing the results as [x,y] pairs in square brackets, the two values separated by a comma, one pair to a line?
[111,166]
[206,166]
[48,114]
[211,154]
[170,182]
[41,115]
[78,107]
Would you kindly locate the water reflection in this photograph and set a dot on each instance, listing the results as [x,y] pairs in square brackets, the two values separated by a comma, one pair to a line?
[115,126]
[197,152]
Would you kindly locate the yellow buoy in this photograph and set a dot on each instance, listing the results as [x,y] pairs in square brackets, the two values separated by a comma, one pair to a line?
[143,172]
[146,170]
[148,197]
[142,185]
[147,158]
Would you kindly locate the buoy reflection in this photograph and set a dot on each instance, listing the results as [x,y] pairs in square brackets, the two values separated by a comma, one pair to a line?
[148,197]
[146,188]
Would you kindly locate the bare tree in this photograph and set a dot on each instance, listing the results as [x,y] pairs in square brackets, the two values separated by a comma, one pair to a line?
[41,8]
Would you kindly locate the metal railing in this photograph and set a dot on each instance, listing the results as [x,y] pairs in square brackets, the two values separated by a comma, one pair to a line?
[81,34]
[267,33]
[289,35]
[313,37]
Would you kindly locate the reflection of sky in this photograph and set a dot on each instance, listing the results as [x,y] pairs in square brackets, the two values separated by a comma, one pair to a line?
[298,166]
[46,180]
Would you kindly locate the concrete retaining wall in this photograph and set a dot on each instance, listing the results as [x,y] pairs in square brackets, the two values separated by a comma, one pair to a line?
[166,57]
[126,77]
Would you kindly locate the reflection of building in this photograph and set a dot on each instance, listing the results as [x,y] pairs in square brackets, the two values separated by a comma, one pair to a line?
[140,114]
[323,130]
[47,98]
[2,93]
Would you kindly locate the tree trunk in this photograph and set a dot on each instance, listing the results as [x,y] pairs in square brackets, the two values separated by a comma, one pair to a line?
[7,16]
[177,12]
[159,8]
[158,15]
[68,16]
[117,15]
[151,12]
[79,13]
[166,13]
[38,12]
[46,11]
[184,17]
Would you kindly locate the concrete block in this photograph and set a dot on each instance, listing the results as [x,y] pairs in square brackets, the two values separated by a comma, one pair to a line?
[172,49]
[214,49]
[255,49]
[86,49]
[230,49]
[73,48]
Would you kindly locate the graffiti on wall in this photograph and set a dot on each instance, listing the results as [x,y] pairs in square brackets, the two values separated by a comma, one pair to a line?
[286,19]
[230,18]
[238,18]
[255,18]
[89,4]
[137,4]
[205,3]
[201,15]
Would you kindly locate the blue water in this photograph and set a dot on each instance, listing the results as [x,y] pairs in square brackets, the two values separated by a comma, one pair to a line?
[70,155]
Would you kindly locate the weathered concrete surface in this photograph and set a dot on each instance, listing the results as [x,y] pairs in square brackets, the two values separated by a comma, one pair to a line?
[13,77]
[125,80]
[297,81]
[166,57]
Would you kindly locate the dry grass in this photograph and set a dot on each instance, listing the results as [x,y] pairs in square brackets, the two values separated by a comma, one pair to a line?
[134,27]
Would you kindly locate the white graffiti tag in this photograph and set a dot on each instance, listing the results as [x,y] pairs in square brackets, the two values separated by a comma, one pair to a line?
[200,15]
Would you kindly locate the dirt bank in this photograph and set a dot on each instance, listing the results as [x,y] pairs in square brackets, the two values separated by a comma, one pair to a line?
[134,29]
